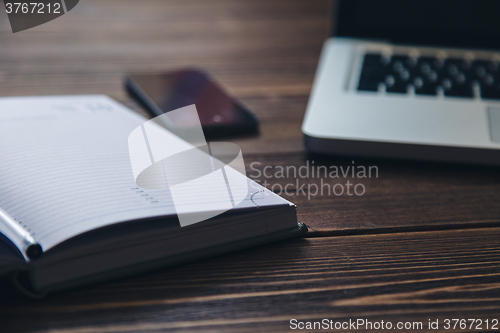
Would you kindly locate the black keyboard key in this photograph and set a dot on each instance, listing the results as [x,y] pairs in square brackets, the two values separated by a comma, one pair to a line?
[423,87]
[372,73]
[429,90]
[368,85]
[402,67]
[399,62]
[454,89]
[455,78]
[373,68]
[490,92]
[451,68]
[488,80]
[489,65]
[460,91]
[397,66]
[430,69]
[395,85]
[480,69]
[425,68]
[462,78]
[455,65]
[404,75]
[426,64]
[400,88]
[432,77]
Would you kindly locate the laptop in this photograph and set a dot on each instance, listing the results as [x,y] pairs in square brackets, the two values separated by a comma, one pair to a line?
[415,80]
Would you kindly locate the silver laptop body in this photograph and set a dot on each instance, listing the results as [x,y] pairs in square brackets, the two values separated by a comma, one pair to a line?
[383,97]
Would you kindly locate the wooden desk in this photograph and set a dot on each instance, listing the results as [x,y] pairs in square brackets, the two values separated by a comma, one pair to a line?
[422,242]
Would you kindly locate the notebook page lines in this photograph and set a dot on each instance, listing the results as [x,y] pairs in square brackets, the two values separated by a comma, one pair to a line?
[67,172]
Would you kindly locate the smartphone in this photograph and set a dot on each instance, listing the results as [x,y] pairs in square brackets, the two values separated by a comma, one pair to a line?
[221,116]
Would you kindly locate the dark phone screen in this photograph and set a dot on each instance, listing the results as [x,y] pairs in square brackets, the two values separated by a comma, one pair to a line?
[177,89]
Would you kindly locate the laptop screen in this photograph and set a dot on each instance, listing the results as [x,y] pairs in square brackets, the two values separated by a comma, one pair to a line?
[455,23]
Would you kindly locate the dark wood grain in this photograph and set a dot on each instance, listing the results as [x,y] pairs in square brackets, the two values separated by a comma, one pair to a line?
[393,277]
[398,196]
[265,53]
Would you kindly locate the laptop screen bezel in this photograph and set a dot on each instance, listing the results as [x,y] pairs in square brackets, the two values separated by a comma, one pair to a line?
[344,26]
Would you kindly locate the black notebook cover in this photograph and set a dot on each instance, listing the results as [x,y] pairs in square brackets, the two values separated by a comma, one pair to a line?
[21,278]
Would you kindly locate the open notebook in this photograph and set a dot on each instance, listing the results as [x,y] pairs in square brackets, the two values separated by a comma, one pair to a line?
[66,180]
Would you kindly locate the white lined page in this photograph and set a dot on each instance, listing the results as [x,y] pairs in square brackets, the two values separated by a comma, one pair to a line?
[65,168]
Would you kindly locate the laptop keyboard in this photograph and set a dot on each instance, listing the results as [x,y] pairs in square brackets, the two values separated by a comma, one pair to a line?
[455,77]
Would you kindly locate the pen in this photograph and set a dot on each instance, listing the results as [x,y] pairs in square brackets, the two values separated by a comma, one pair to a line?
[19,236]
